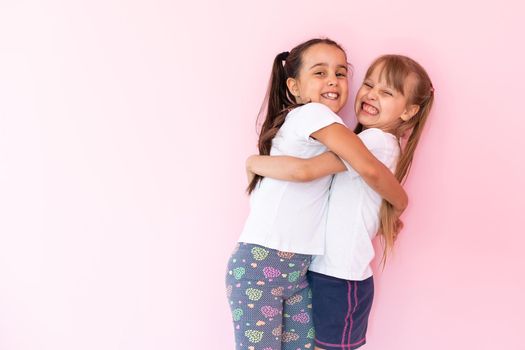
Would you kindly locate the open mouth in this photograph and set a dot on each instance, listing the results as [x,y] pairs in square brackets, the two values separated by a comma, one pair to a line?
[369,109]
[330,95]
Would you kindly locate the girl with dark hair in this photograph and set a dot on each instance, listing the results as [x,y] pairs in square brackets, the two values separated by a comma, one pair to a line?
[266,279]
[392,105]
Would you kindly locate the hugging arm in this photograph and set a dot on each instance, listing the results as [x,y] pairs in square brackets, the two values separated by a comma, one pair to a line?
[293,168]
[343,142]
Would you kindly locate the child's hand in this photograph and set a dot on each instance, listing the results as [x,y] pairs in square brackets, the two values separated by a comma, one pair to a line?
[398,227]
[249,173]
[249,176]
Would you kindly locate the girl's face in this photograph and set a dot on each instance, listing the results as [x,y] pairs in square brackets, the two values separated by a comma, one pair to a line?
[378,105]
[323,77]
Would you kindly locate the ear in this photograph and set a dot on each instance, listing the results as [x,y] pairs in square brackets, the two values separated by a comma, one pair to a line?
[409,112]
[293,86]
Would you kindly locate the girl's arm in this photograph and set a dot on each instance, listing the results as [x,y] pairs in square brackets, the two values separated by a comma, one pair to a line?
[249,175]
[343,142]
[295,169]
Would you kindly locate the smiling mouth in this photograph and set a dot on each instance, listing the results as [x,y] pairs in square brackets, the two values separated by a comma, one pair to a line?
[330,95]
[369,109]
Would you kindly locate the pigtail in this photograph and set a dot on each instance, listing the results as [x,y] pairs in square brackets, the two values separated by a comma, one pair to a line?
[387,215]
[423,96]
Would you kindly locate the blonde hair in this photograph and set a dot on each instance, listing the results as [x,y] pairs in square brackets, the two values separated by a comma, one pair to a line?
[396,69]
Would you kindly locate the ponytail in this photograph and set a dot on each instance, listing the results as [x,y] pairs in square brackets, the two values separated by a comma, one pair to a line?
[277,101]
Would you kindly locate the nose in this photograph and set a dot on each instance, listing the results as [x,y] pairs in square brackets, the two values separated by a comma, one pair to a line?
[371,94]
[332,80]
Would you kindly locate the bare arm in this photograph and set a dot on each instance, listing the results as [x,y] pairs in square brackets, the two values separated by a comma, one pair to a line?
[293,168]
[343,142]
[249,175]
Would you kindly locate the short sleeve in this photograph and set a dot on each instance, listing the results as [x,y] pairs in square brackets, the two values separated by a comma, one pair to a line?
[381,144]
[312,117]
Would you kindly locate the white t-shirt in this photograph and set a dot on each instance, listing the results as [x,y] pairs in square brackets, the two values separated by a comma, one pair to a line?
[291,216]
[353,214]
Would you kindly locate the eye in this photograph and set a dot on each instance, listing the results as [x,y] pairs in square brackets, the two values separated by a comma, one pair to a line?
[386,92]
[368,85]
[342,75]
[321,74]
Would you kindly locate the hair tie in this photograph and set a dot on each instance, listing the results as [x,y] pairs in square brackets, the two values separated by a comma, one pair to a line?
[432,89]
[283,55]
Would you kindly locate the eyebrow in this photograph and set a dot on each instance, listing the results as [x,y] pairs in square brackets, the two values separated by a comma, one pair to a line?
[326,64]
[387,87]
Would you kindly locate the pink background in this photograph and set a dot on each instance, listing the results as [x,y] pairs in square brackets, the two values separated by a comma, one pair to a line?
[124,126]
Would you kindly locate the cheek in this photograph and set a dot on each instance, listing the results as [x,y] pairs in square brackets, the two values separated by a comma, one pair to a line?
[307,89]
[344,99]
[358,98]
[398,109]
[346,90]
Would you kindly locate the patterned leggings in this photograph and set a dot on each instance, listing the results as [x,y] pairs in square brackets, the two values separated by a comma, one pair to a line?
[270,299]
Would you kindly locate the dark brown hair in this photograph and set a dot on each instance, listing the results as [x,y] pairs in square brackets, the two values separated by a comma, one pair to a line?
[396,69]
[279,101]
